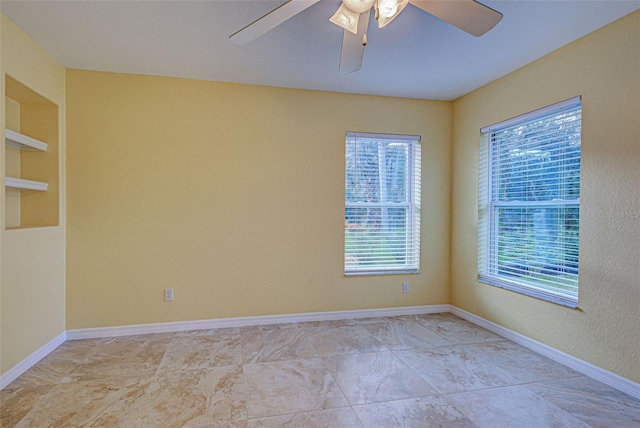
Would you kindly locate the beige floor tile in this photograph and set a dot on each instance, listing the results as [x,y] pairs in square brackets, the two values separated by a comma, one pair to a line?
[277,343]
[282,387]
[333,323]
[405,334]
[132,356]
[220,424]
[511,359]
[591,401]
[374,320]
[188,398]
[343,417]
[78,404]
[344,340]
[373,377]
[451,369]
[203,350]
[512,406]
[455,330]
[17,400]
[433,411]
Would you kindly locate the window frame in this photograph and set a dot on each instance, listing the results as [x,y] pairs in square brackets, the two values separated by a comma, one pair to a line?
[412,204]
[489,204]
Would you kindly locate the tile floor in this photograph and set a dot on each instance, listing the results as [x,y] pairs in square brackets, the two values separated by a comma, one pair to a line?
[412,371]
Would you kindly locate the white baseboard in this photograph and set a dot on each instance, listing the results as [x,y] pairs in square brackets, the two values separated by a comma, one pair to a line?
[31,360]
[588,369]
[128,330]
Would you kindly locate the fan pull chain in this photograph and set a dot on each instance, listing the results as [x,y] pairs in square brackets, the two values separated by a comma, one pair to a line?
[364,39]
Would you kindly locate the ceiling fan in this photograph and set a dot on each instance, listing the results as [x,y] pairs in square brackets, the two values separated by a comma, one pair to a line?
[353,16]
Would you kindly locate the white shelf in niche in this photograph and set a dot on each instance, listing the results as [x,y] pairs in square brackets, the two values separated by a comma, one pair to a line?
[24,142]
[21,183]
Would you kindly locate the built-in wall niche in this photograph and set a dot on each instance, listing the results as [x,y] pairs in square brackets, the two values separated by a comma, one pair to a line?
[32,190]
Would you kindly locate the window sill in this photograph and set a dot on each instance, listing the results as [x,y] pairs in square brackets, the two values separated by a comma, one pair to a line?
[382,272]
[532,292]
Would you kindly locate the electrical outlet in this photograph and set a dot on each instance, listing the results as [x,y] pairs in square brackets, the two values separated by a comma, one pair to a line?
[168,294]
[405,287]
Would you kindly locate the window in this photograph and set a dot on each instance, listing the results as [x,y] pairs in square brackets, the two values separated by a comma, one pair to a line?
[382,204]
[529,203]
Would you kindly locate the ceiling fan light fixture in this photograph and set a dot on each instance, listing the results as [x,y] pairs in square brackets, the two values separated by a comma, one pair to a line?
[346,18]
[359,6]
[387,10]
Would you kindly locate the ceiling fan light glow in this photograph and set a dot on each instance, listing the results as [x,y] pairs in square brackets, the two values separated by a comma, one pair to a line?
[346,18]
[389,9]
[359,6]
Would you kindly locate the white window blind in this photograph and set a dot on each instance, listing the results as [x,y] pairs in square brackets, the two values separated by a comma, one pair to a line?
[529,203]
[382,204]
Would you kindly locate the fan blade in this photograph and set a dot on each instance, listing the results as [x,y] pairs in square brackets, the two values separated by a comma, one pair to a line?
[353,47]
[270,21]
[468,15]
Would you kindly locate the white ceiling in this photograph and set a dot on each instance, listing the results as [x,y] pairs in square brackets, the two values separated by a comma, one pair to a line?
[416,56]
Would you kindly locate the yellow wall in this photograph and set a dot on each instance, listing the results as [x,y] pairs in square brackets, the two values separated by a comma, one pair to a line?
[40,121]
[12,164]
[32,274]
[603,67]
[232,195]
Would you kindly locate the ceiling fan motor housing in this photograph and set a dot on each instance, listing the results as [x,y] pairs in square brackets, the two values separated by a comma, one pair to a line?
[359,6]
